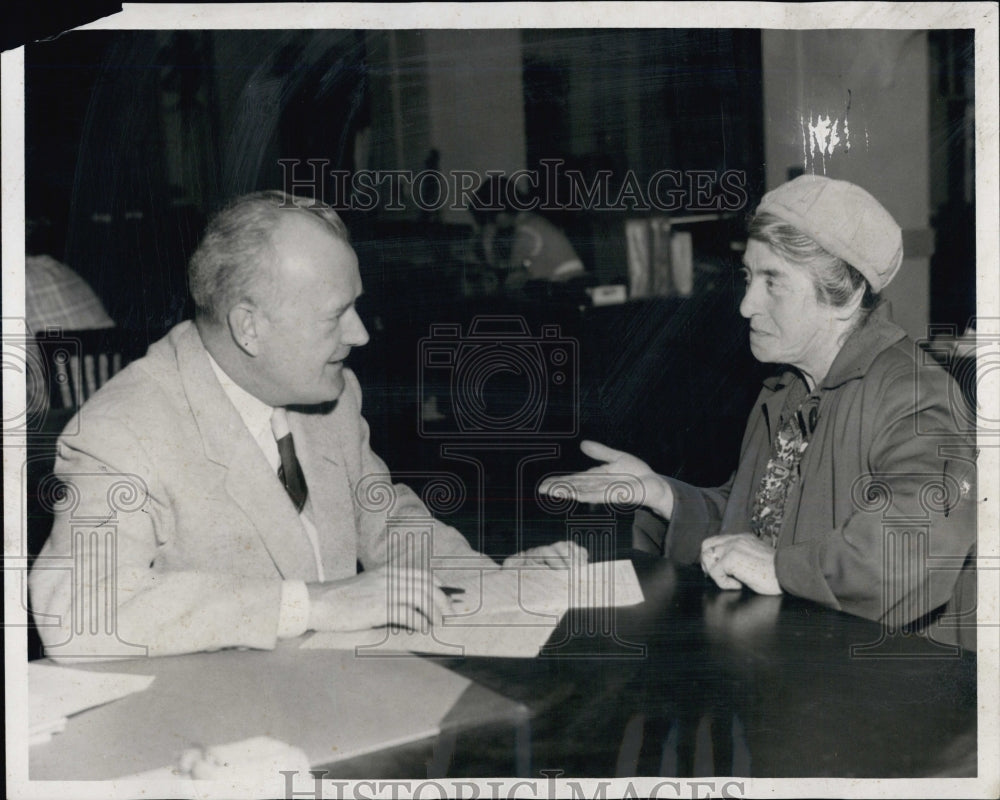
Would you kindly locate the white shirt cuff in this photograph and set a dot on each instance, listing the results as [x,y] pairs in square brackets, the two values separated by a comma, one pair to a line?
[293,618]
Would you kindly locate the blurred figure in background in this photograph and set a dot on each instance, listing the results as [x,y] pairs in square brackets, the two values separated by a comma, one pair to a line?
[520,245]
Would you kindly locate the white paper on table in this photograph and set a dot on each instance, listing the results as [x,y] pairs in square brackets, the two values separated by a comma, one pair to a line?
[494,638]
[55,693]
[43,733]
[607,584]
[529,592]
[504,613]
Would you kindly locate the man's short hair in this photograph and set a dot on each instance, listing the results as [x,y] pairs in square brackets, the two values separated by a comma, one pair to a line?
[232,262]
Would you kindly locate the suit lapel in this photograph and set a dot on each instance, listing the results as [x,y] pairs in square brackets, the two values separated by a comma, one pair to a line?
[249,480]
[257,490]
[330,491]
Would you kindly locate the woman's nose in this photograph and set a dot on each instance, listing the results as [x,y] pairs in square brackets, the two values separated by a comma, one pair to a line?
[748,303]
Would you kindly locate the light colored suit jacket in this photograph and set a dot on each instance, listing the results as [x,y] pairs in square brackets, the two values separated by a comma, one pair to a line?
[175,535]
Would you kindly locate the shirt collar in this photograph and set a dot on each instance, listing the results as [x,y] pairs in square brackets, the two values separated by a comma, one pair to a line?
[256,414]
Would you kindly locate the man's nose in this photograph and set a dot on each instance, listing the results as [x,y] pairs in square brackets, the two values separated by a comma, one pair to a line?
[355,332]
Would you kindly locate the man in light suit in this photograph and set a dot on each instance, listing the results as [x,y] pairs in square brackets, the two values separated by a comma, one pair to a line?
[192,516]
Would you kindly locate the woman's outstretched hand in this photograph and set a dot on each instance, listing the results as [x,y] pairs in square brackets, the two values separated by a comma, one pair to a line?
[622,478]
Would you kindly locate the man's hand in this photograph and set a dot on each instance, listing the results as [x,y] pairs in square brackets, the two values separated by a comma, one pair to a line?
[603,483]
[737,559]
[393,595]
[557,556]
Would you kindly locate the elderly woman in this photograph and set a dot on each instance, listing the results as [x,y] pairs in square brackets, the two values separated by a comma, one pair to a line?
[855,487]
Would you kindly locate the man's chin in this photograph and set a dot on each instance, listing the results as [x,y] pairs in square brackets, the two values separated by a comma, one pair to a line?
[337,385]
[333,388]
[328,393]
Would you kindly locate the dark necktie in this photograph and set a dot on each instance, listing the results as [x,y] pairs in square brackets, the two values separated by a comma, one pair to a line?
[289,471]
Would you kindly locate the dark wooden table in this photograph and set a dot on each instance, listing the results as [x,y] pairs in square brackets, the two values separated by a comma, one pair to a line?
[693,682]
[697,681]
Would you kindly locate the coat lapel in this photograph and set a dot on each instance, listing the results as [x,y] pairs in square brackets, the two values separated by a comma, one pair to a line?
[249,480]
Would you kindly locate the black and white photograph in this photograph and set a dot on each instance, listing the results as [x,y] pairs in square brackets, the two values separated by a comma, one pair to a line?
[501,400]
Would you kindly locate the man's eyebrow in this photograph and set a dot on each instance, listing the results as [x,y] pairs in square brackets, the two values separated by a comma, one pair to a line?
[344,306]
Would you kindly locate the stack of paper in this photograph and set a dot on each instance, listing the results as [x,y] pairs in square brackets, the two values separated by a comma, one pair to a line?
[537,590]
[55,693]
[506,613]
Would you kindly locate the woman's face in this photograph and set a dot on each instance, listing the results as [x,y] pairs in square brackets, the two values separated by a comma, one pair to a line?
[788,325]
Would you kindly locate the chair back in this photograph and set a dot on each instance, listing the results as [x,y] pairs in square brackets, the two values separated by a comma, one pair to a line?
[78,363]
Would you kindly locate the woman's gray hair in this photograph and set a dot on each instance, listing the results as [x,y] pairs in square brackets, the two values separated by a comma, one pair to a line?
[232,262]
[834,279]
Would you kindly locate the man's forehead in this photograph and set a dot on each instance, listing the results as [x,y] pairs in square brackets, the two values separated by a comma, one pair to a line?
[301,240]
[294,223]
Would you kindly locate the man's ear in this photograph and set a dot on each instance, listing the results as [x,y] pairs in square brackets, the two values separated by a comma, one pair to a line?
[242,320]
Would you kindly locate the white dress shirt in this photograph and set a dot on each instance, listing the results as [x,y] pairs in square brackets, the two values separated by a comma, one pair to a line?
[256,415]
